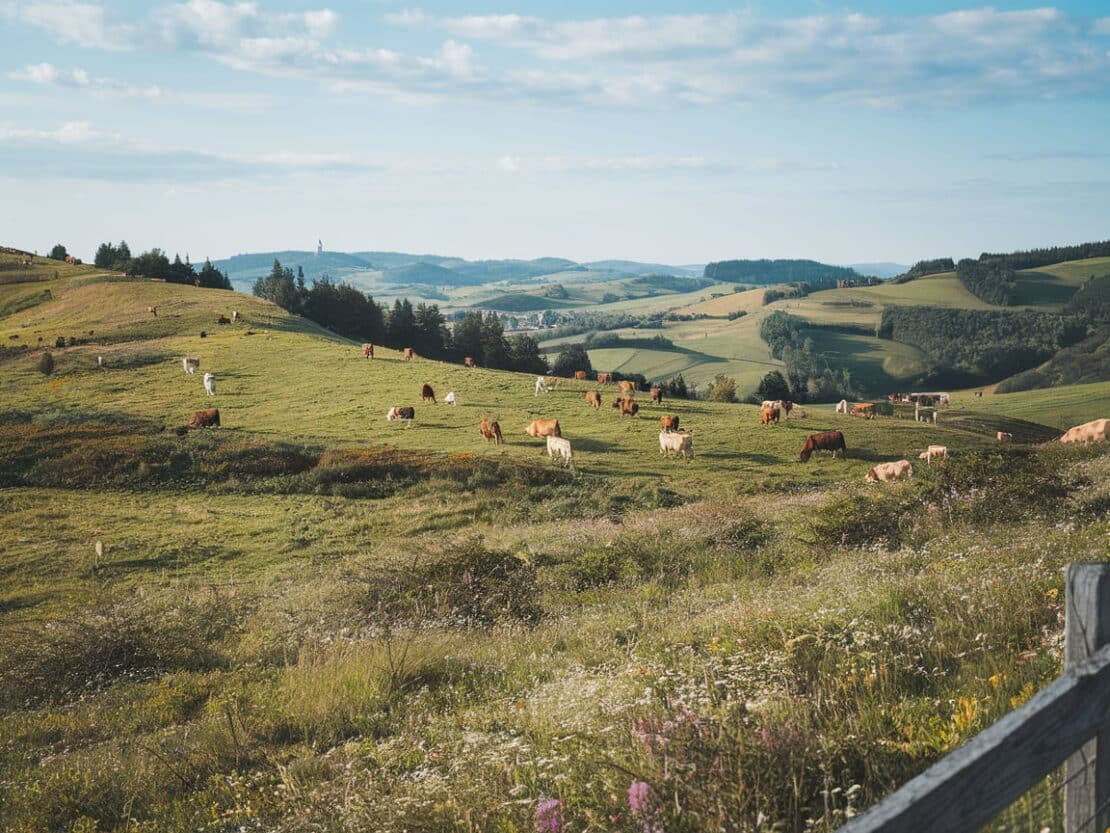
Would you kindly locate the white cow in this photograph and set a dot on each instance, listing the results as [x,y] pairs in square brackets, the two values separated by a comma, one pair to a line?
[1005,437]
[451,399]
[676,442]
[842,406]
[542,386]
[210,384]
[190,363]
[100,361]
[560,446]
[885,472]
[234,316]
[934,451]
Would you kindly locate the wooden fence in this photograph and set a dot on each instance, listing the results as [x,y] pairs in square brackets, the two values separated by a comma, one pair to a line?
[1067,722]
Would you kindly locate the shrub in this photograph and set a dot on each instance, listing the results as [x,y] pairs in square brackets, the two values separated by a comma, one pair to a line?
[468,584]
[629,559]
[723,389]
[45,364]
[858,520]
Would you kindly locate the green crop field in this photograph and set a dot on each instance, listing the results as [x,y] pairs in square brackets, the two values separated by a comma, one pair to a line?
[311,618]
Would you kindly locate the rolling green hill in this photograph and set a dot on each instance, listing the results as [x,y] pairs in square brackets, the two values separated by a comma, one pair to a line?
[312,618]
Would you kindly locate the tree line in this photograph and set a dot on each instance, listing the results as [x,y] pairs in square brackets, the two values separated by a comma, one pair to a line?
[351,313]
[925,267]
[809,376]
[778,271]
[155,264]
[989,280]
[973,346]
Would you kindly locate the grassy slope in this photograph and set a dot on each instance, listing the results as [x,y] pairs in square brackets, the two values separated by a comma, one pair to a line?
[286,719]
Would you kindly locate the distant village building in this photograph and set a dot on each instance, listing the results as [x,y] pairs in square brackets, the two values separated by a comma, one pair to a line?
[848,283]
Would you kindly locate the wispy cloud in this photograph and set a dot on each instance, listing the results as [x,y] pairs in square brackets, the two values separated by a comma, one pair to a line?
[735,57]
[99,155]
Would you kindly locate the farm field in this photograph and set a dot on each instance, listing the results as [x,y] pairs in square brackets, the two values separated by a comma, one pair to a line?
[315,619]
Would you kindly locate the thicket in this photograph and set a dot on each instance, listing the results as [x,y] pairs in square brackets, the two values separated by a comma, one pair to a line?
[925,267]
[1082,363]
[1034,258]
[811,377]
[989,280]
[155,264]
[980,344]
[777,271]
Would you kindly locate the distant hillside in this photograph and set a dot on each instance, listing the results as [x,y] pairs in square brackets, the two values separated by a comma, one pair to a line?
[489,271]
[672,282]
[242,269]
[426,273]
[776,271]
[882,269]
[632,267]
[521,302]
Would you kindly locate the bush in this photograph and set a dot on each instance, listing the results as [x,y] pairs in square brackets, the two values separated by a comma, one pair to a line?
[626,560]
[45,364]
[859,520]
[468,584]
[723,389]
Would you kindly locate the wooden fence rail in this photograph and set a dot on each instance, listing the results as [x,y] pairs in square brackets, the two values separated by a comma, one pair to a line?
[1067,721]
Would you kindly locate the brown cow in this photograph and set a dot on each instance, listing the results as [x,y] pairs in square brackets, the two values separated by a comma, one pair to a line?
[489,429]
[27,263]
[543,428]
[787,407]
[827,441]
[768,414]
[668,423]
[368,351]
[223,319]
[628,388]
[657,396]
[427,393]
[863,409]
[408,353]
[604,378]
[627,405]
[469,361]
[153,310]
[580,375]
[208,418]
[593,398]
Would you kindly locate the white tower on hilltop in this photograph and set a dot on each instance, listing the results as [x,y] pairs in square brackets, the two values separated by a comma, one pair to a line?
[319,247]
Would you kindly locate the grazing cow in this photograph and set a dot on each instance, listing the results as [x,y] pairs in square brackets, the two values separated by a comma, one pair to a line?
[469,361]
[209,384]
[580,375]
[934,451]
[628,388]
[409,354]
[543,386]
[863,409]
[768,414]
[208,418]
[1094,431]
[842,406]
[593,398]
[100,362]
[543,428]
[406,414]
[153,310]
[674,442]
[27,263]
[657,396]
[561,447]
[368,351]
[627,405]
[235,316]
[826,441]
[191,364]
[978,394]
[427,393]
[786,406]
[451,398]
[70,259]
[885,472]
[921,414]
[223,319]
[668,423]
[489,429]
[604,378]
[1005,437]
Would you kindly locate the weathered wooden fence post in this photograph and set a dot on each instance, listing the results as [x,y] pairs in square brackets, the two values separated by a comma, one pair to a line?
[1087,628]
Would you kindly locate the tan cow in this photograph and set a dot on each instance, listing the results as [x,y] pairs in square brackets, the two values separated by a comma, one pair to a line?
[489,429]
[886,472]
[543,428]
[668,422]
[628,388]
[580,375]
[593,398]
[1005,437]
[1094,431]
[932,452]
[604,378]
[863,409]
[657,396]
[468,361]
[768,414]
[409,354]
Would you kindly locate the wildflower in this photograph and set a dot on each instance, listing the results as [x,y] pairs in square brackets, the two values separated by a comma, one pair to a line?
[638,798]
[549,816]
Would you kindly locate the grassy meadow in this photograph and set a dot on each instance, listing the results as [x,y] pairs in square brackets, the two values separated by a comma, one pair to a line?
[312,619]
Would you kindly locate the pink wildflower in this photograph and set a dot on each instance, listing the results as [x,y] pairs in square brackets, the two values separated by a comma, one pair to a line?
[549,816]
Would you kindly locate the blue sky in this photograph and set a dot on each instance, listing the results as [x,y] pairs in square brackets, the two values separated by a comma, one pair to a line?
[678,132]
